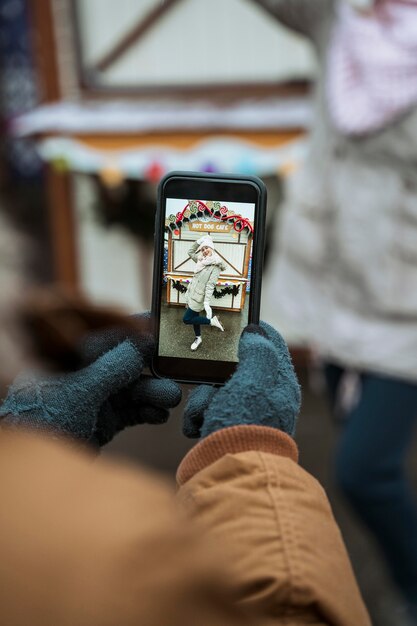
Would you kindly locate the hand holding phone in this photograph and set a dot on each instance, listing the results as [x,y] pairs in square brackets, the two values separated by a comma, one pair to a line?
[96,402]
[209,244]
[263,391]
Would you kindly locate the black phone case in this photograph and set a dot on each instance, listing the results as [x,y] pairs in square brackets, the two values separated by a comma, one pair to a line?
[257,258]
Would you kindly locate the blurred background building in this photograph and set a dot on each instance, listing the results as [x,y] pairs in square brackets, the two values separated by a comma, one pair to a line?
[98,100]
[129,91]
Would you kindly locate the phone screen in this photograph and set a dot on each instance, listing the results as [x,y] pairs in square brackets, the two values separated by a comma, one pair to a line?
[206,265]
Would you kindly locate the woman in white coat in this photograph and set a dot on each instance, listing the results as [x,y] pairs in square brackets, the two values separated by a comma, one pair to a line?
[200,291]
[346,266]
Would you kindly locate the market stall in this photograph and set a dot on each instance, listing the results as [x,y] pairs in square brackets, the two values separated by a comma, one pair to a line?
[126,101]
[232,237]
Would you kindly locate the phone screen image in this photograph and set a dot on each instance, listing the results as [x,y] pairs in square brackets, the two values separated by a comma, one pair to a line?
[209,243]
[206,278]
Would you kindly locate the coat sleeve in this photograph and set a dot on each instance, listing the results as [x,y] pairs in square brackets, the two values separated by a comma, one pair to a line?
[92,542]
[275,525]
[192,252]
[303,16]
[211,283]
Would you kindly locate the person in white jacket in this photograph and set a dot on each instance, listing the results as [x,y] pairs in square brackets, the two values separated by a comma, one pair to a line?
[345,274]
[200,291]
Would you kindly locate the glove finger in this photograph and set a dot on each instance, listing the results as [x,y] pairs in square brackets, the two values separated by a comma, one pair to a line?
[254,394]
[120,413]
[263,390]
[276,338]
[110,373]
[245,398]
[258,358]
[197,403]
[268,331]
[138,330]
[162,392]
[152,415]
[286,368]
[287,378]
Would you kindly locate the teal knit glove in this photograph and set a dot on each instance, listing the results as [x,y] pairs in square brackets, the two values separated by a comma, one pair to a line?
[263,390]
[98,401]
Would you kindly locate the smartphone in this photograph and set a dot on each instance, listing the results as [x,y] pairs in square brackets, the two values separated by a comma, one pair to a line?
[209,248]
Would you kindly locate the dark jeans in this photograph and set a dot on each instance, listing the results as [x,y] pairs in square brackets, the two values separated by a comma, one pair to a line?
[370,469]
[194,318]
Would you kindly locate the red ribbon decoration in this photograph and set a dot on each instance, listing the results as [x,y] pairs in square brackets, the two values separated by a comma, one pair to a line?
[237,218]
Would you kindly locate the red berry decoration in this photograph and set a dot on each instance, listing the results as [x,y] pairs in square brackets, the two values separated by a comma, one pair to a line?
[154,172]
[176,231]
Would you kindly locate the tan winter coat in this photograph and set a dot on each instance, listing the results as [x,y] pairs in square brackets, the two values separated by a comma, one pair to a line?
[91,543]
[203,283]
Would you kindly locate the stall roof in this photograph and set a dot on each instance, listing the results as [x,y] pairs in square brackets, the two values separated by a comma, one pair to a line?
[121,117]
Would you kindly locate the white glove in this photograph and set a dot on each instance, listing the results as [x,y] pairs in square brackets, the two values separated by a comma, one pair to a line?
[208,310]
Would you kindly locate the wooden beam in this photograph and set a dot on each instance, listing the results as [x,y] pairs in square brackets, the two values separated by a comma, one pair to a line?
[218,92]
[139,29]
[61,220]
[246,269]
[45,52]
[58,185]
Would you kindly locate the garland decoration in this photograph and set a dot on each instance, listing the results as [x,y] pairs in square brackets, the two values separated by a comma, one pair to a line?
[178,286]
[227,290]
[196,209]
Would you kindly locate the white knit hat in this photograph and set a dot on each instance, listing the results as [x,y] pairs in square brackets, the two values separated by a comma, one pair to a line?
[206,241]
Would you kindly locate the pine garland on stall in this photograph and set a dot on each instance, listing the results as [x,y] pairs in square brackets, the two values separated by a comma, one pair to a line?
[227,290]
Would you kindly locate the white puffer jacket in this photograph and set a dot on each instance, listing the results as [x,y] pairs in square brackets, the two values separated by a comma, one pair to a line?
[203,283]
[345,271]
